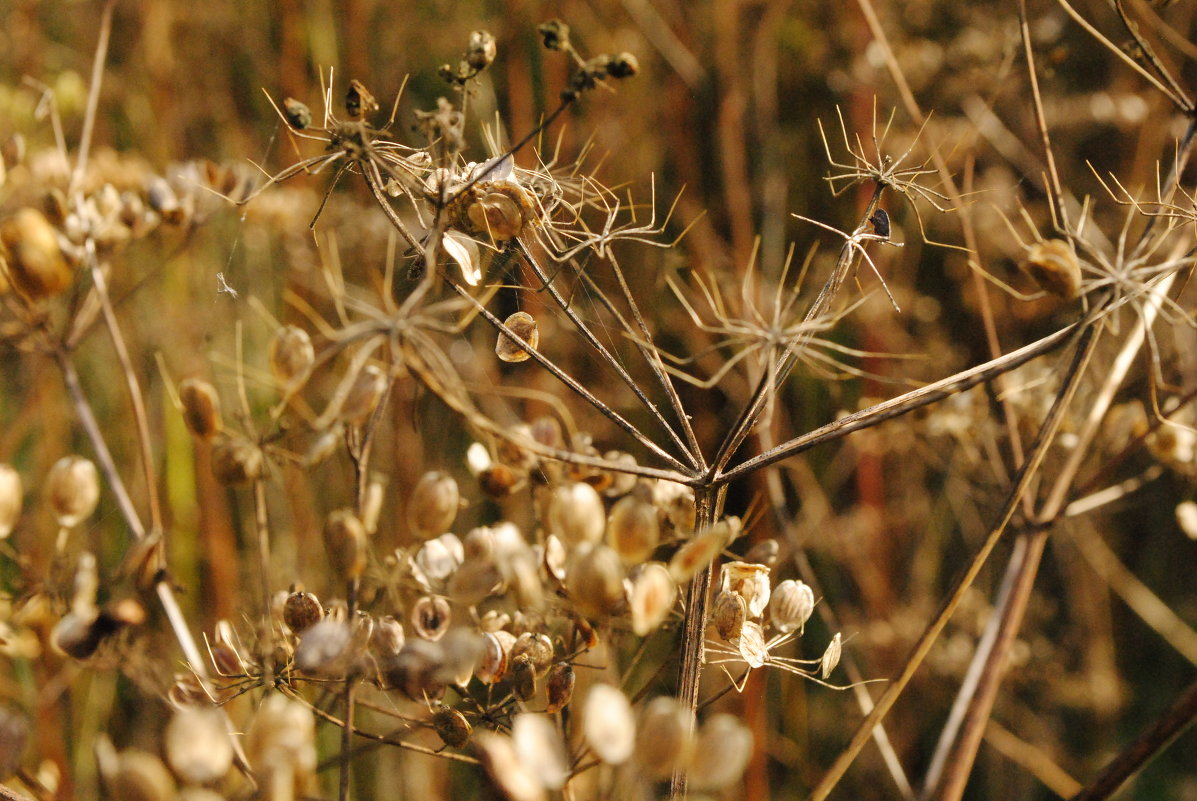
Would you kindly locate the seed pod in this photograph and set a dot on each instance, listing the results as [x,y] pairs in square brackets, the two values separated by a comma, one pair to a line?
[433,504]
[554,34]
[492,666]
[291,354]
[430,617]
[624,65]
[72,489]
[664,737]
[11,498]
[298,115]
[608,724]
[301,611]
[36,265]
[461,651]
[498,480]
[522,325]
[235,459]
[751,644]
[652,597]
[481,51]
[509,773]
[633,530]
[281,742]
[560,686]
[1186,515]
[415,671]
[163,200]
[500,210]
[750,582]
[439,558]
[474,581]
[359,103]
[764,553]
[695,555]
[1054,266]
[576,514]
[201,407]
[135,775]
[831,657]
[345,541]
[326,650]
[540,748]
[729,613]
[323,446]
[726,736]
[364,395]
[451,726]
[523,678]
[791,605]
[537,647]
[388,638]
[197,745]
[595,580]
[676,501]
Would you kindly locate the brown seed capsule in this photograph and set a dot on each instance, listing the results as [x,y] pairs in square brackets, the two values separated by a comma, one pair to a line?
[560,686]
[72,489]
[298,115]
[451,726]
[498,480]
[537,647]
[197,745]
[430,617]
[633,529]
[359,103]
[346,542]
[302,610]
[664,737]
[201,407]
[1054,266]
[433,504]
[36,265]
[11,498]
[364,395]
[729,612]
[481,51]
[523,678]
[415,671]
[291,355]
[522,325]
[235,459]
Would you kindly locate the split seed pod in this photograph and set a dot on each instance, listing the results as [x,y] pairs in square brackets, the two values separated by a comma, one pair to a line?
[11,495]
[430,617]
[73,489]
[524,326]
[1054,266]
[36,265]
[433,504]
[750,582]
[201,407]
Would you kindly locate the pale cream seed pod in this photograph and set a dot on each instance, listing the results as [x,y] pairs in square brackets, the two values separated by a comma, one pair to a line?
[388,638]
[372,504]
[496,648]
[438,559]
[539,746]
[576,514]
[35,264]
[1054,266]
[346,542]
[831,656]
[595,580]
[750,582]
[281,742]
[236,459]
[524,326]
[728,737]
[364,395]
[514,779]
[72,489]
[433,505]
[201,407]
[633,529]
[651,599]
[197,745]
[1186,518]
[696,554]
[791,605]
[751,644]
[11,499]
[291,355]
[608,724]
[664,737]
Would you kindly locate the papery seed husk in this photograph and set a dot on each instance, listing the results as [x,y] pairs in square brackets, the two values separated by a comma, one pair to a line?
[751,644]
[524,326]
[36,265]
[235,459]
[1053,265]
[11,499]
[364,395]
[452,727]
[72,489]
[731,740]
[633,529]
[496,646]
[513,778]
[430,617]
[559,686]
[651,599]
[749,581]
[282,735]
[576,514]
[433,505]
[201,407]
[140,776]
[595,580]
[291,354]
[831,657]
[440,557]
[388,637]
[345,542]
[197,745]
[608,724]
[664,737]
[540,748]
[729,612]
[791,605]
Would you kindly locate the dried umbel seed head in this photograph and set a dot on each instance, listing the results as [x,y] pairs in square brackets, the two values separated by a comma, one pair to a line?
[664,737]
[430,617]
[364,395]
[197,745]
[301,611]
[729,613]
[576,514]
[1054,266]
[726,736]
[236,459]
[11,496]
[522,325]
[137,775]
[554,34]
[633,529]
[72,489]
[540,748]
[451,726]
[298,115]
[291,355]
[831,657]
[595,580]
[537,647]
[36,266]
[346,543]
[433,504]
[791,605]
[281,743]
[608,724]
[510,774]
[359,103]
[750,582]
[499,210]
[201,407]
[559,686]
[651,598]
[481,51]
